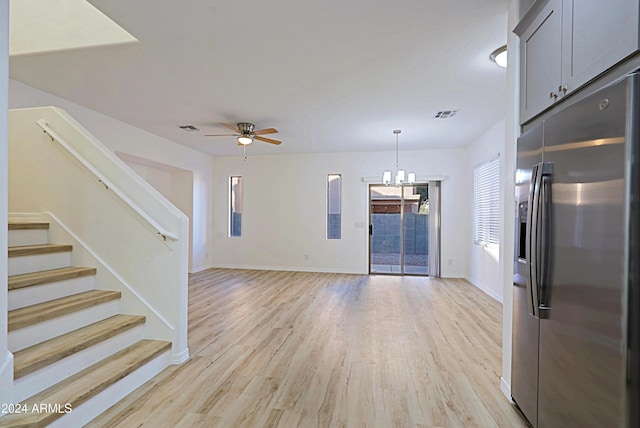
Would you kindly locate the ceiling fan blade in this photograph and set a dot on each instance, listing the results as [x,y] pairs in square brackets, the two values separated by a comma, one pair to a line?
[220,135]
[265,131]
[268,140]
[231,127]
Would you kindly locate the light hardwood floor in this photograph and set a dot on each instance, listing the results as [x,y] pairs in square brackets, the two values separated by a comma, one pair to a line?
[329,350]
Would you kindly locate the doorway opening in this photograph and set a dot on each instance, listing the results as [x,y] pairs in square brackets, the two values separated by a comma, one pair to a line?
[399,229]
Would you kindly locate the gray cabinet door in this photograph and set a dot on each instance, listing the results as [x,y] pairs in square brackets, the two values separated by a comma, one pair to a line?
[540,61]
[596,36]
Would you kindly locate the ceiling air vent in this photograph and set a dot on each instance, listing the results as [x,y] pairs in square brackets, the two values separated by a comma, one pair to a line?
[445,114]
[188,128]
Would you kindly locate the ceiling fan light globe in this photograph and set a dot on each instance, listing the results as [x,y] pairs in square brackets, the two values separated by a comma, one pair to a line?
[244,140]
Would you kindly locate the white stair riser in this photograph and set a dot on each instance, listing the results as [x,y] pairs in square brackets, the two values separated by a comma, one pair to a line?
[28,336]
[28,264]
[39,380]
[21,237]
[93,407]
[28,296]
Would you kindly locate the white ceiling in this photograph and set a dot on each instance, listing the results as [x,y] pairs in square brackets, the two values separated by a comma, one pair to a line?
[35,26]
[330,75]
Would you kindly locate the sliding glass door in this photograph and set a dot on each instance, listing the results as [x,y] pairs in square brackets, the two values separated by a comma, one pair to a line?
[399,229]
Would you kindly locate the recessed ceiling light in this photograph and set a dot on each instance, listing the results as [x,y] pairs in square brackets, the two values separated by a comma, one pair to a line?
[499,56]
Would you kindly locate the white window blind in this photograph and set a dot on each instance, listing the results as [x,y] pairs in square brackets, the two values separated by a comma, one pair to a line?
[486,203]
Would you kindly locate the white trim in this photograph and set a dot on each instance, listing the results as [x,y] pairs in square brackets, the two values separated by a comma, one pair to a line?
[290,269]
[201,268]
[179,358]
[484,289]
[506,389]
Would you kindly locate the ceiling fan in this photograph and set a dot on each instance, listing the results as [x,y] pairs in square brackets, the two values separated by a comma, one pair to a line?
[246,134]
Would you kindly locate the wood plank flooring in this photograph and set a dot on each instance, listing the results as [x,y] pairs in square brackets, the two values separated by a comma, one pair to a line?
[292,349]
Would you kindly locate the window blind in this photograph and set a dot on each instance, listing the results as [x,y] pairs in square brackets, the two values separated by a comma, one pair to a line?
[486,203]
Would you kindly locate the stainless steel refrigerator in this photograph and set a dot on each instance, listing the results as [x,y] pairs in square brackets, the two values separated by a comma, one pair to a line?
[576,274]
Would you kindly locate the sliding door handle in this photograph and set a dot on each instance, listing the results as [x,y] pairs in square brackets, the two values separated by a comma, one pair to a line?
[371,229]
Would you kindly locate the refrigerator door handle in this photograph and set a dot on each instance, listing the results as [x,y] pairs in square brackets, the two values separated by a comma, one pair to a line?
[531,247]
[544,262]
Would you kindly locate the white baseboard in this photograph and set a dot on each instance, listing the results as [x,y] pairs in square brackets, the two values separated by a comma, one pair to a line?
[506,389]
[487,291]
[200,268]
[290,269]
[179,358]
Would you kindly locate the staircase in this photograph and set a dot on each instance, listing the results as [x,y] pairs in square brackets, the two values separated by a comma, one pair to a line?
[75,354]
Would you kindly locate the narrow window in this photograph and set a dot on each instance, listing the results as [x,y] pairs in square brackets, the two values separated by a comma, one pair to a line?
[334,182]
[486,203]
[235,206]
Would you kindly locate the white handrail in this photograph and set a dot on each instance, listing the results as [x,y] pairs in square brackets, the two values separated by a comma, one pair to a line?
[106,183]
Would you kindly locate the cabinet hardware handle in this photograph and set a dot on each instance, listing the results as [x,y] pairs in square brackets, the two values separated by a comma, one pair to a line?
[562,88]
[553,95]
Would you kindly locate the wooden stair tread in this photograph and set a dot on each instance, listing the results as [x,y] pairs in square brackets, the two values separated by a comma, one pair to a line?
[34,314]
[24,225]
[32,250]
[48,276]
[42,354]
[86,384]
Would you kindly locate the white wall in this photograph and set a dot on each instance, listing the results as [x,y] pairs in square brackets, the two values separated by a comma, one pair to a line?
[6,359]
[284,219]
[175,184]
[121,137]
[485,269]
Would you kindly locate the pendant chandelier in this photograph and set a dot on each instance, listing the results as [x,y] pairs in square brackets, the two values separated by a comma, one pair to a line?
[401,176]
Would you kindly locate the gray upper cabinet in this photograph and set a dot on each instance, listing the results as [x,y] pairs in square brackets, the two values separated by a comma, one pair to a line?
[566,43]
[540,59]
